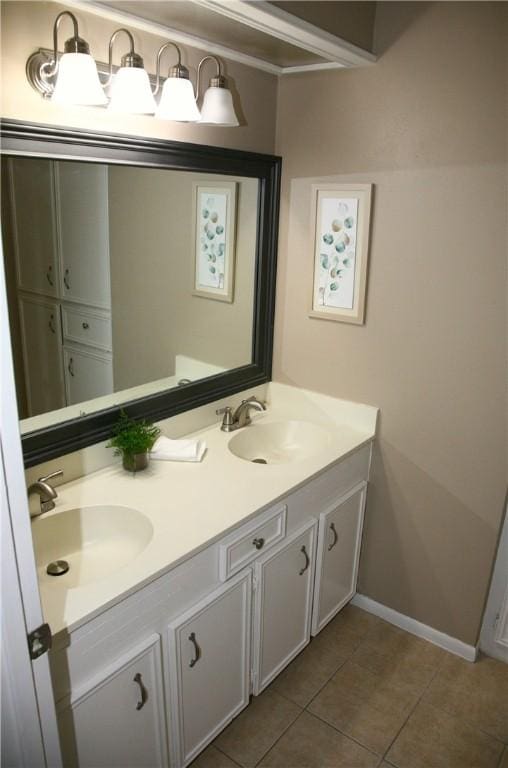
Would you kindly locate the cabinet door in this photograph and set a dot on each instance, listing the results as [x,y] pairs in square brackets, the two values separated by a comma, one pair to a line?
[82,208]
[118,720]
[87,374]
[339,541]
[42,354]
[33,220]
[284,580]
[209,667]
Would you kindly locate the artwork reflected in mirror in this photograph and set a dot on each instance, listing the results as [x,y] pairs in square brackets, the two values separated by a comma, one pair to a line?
[100,265]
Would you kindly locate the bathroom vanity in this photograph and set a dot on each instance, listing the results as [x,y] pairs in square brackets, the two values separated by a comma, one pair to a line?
[194,585]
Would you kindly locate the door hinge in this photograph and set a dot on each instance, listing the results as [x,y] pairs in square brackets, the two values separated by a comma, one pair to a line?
[39,641]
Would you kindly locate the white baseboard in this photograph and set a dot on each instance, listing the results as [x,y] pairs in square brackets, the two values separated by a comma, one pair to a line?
[415,627]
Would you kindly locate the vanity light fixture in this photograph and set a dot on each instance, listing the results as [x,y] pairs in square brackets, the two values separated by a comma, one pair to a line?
[217,108]
[130,89]
[177,100]
[72,78]
[77,80]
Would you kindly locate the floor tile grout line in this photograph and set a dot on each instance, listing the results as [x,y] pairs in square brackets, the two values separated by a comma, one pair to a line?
[465,721]
[226,755]
[418,700]
[279,738]
[501,756]
[347,735]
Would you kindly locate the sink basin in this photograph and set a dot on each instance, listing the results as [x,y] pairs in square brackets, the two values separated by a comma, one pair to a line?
[279,442]
[95,541]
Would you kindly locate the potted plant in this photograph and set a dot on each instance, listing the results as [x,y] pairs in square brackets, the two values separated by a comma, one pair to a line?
[132,440]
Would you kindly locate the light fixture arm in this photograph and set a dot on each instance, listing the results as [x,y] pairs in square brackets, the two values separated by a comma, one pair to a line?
[177,71]
[131,59]
[219,80]
[74,44]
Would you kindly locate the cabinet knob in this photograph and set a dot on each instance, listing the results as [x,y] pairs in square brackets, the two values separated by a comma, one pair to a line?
[335,537]
[85,326]
[307,560]
[259,543]
[142,690]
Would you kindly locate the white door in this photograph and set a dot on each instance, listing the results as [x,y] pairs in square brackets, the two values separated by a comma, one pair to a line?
[494,634]
[41,341]
[33,224]
[339,541]
[117,720]
[209,667]
[27,700]
[284,579]
[83,229]
[87,374]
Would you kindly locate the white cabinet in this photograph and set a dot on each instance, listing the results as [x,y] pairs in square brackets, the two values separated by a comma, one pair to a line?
[83,230]
[340,533]
[284,580]
[33,220]
[42,354]
[118,720]
[88,374]
[209,667]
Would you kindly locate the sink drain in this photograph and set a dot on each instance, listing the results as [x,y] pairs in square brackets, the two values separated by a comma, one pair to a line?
[57,568]
[259,461]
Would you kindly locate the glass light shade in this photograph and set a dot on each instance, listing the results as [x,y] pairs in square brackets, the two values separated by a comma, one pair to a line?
[178,101]
[130,92]
[77,81]
[218,107]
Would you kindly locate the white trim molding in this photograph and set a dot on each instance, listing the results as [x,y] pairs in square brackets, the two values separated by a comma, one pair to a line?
[414,627]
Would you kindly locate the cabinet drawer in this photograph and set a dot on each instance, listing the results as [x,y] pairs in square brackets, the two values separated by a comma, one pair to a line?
[86,327]
[244,545]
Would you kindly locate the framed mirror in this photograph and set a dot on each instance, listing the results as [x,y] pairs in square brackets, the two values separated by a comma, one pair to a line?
[140,275]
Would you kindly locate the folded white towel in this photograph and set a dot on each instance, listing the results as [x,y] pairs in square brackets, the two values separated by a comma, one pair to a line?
[165,449]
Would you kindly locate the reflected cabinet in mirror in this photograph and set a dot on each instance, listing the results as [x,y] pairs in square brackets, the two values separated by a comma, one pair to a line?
[140,274]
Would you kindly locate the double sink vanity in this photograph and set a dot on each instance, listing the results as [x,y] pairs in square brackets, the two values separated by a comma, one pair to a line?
[191,586]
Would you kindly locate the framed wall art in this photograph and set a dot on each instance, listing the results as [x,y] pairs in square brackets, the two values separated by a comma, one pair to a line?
[340,215]
[214,238]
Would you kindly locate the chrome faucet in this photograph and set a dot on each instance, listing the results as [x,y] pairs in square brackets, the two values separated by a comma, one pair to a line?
[47,494]
[241,417]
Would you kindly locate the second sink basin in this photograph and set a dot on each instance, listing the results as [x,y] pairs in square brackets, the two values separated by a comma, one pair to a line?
[279,442]
[95,541]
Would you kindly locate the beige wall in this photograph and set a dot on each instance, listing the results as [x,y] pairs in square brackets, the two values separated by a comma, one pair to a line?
[27,26]
[428,126]
[154,314]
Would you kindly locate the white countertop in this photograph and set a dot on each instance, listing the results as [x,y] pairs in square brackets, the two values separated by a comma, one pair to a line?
[191,505]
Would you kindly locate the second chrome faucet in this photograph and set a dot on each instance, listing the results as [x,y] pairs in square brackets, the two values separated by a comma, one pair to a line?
[241,416]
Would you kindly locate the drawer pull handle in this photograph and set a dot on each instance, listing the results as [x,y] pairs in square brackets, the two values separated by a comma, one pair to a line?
[307,560]
[259,543]
[335,537]
[66,280]
[52,323]
[85,326]
[70,367]
[142,690]
[197,650]
[49,275]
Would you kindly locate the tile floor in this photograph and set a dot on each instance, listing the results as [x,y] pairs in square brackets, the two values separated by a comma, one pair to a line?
[365,694]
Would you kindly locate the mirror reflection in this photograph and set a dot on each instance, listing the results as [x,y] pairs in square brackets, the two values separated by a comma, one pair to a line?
[123,281]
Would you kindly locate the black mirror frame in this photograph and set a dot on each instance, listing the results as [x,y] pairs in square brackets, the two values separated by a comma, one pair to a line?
[30,139]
